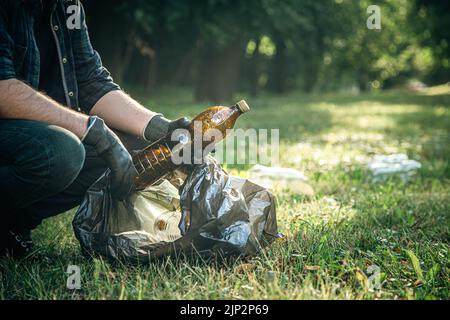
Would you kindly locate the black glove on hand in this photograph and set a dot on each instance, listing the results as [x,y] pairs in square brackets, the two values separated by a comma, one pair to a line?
[159,127]
[110,148]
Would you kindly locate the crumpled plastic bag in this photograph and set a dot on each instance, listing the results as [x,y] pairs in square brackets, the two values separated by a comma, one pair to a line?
[210,213]
[385,166]
[278,177]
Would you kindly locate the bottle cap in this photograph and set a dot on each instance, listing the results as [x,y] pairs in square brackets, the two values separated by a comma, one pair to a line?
[243,106]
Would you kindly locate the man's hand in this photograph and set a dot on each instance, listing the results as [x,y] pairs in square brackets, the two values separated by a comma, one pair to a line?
[110,149]
[159,127]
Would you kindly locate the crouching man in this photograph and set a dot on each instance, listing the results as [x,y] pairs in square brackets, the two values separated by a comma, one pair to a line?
[58,106]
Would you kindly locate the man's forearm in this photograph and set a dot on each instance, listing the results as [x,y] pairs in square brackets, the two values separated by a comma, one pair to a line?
[19,101]
[122,112]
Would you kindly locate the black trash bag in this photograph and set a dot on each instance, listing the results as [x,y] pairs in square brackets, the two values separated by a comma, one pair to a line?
[210,213]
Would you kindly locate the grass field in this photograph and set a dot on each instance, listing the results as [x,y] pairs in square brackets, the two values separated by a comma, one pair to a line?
[332,238]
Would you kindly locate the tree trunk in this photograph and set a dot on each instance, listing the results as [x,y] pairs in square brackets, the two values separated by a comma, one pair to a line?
[255,71]
[279,73]
[363,81]
[184,68]
[219,73]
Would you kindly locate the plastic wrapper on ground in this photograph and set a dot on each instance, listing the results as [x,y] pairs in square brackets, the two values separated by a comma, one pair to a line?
[206,212]
[384,166]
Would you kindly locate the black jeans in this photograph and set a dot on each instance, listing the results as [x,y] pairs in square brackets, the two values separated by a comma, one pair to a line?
[45,170]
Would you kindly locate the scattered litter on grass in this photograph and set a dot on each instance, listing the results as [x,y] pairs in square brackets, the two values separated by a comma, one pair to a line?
[277,177]
[384,166]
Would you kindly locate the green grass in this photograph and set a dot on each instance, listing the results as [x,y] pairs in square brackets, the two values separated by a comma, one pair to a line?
[331,237]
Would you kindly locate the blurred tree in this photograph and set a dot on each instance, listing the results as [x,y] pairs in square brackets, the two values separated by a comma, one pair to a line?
[374,59]
[433,26]
[218,47]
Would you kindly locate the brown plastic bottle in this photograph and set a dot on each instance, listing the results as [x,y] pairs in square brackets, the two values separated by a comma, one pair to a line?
[155,161]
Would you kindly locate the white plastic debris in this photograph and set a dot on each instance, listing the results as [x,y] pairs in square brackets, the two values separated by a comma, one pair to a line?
[278,177]
[384,166]
[331,202]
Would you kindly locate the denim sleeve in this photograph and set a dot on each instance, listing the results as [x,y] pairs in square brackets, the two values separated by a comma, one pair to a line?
[7,70]
[93,79]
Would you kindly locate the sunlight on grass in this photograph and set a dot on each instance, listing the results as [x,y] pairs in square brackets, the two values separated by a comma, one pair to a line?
[331,238]
[437,90]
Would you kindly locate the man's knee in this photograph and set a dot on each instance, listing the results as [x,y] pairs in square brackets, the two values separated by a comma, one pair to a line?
[65,156]
[45,157]
[37,161]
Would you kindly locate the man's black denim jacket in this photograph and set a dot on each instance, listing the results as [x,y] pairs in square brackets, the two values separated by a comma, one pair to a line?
[84,79]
